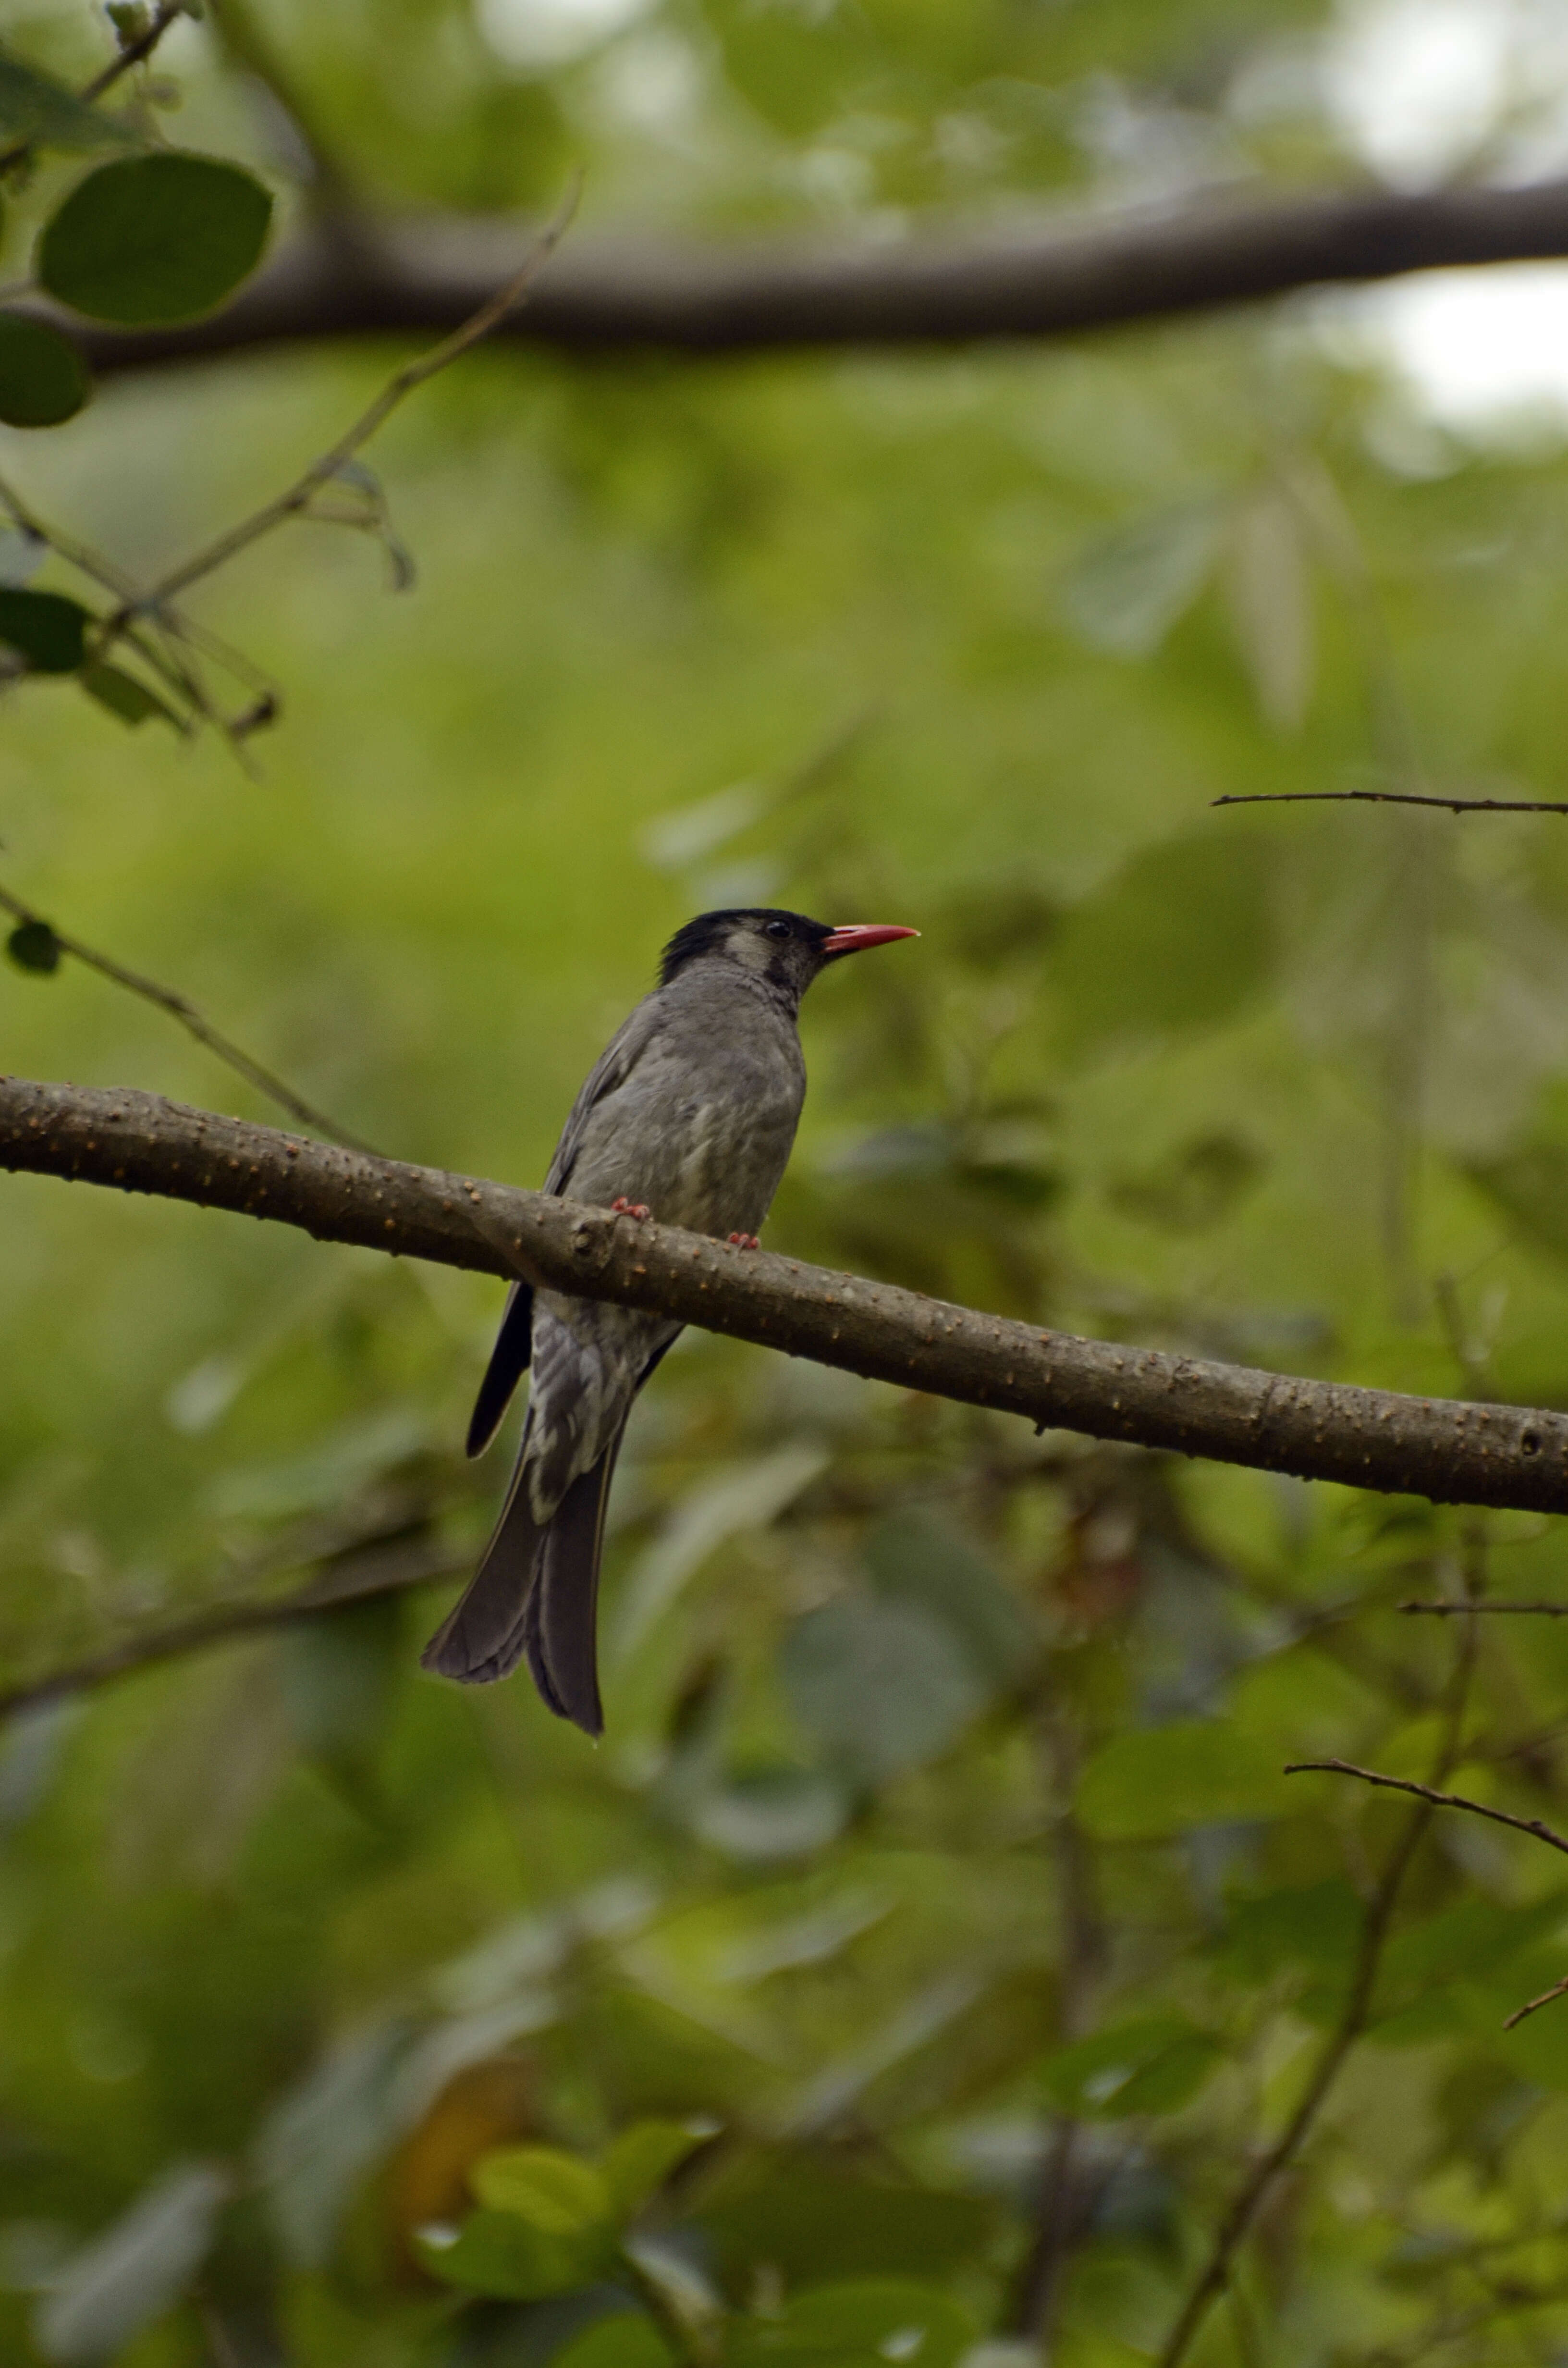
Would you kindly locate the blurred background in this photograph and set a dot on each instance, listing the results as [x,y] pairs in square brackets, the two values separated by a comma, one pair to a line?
[935,1868]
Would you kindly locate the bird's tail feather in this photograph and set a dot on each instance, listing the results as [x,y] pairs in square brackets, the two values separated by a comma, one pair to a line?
[561,1615]
[536,1591]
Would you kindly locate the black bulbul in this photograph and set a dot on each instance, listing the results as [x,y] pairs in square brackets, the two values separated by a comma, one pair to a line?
[688,1116]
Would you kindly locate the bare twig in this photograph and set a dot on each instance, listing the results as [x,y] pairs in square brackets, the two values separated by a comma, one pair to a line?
[1534,1826]
[131,55]
[1558,1989]
[296,500]
[1449,1611]
[1392,798]
[134,51]
[1215,2276]
[1451,1451]
[179,1007]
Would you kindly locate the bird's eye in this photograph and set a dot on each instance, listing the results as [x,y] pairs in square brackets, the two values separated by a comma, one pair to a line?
[778,929]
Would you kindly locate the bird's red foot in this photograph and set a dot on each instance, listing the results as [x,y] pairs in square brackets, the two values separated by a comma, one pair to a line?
[625,1208]
[746,1241]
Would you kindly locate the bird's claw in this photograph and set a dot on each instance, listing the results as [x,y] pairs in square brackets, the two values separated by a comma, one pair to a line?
[625,1208]
[746,1241]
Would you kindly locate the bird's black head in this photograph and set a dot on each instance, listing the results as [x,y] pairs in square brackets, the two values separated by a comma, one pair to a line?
[784,950]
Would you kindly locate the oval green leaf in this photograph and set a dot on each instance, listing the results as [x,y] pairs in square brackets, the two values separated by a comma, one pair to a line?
[642,2160]
[32,945]
[43,379]
[45,628]
[498,2254]
[1151,2064]
[1159,1780]
[551,2190]
[154,239]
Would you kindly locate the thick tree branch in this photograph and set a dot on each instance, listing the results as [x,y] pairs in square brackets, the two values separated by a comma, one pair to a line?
[1454,1453]
[1050,281]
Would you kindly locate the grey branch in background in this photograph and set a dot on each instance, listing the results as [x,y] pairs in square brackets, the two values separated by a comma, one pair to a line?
[1453,1452]
[1056,280]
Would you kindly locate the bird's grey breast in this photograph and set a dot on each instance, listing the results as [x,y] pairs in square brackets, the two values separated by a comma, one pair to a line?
[701,1125]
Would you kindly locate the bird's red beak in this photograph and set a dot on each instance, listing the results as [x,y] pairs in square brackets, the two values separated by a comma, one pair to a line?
[855,936]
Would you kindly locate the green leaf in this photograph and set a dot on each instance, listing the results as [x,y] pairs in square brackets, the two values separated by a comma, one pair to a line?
[1126,590]
[1183,936]
[883,1687]
[551,2191]
[151,239]
[33,945]
[1149,2066]
[877,2320]
[1160,1779]
[499,2254]
[625,2338]
[43,379]
[34,107]
[914,1559]
[45,628]
[1316,1928]
[642,2160]
[124,695]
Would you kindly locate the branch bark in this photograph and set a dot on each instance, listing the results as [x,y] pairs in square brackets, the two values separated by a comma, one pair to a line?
[1054,279]
[1454,1453]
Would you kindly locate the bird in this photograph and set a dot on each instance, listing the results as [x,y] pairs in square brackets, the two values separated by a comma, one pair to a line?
[688,1116]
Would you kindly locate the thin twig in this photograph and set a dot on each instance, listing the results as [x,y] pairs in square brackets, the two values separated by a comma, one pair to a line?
[1558,1989]
[1449,1610]
[195,1023]
[172,625]
[1532,1826]
[417,1562]
[403,383]
[1392,798]
[131,55]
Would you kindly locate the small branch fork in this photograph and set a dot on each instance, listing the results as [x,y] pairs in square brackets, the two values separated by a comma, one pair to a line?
[131,53]
[333,463]
[172,643]
[1215,2279]
[1535,1826]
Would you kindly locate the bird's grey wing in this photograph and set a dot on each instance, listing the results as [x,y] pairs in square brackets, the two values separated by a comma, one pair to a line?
[513,1342]
[610,1072]
[508,1364]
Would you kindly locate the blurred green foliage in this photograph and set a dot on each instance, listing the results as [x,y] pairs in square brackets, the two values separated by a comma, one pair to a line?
[935,1940]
